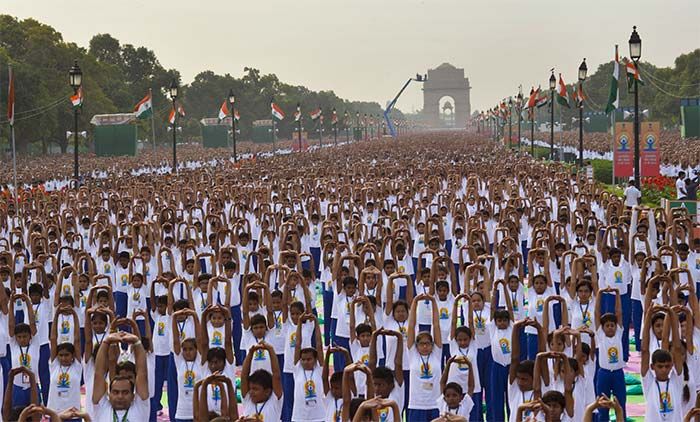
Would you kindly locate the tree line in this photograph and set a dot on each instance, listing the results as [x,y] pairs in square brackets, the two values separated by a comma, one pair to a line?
[116,76]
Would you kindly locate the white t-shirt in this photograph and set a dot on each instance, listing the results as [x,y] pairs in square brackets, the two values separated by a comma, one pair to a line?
[464,408]
[391,343]
[137,412]
[516,397]
[269,410]
[681,191]
[27,356]
[290,341]
[162,327]
[309,399]
[664,398]
[188,373]
[424,387]
[609,349]
[334,408]
[65,385]
[42,317]
[632,195]
[500,343]
[459,372]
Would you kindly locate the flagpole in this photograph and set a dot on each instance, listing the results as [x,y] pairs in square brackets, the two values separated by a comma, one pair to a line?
[14,164]
[153,121]
[274,135]
[613,117]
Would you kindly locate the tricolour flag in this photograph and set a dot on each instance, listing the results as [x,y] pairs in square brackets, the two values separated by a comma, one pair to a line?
[144,108]
[542,98]
[532,99]
[614,96]
[276,111]
[77,98]
[236,115]
[334,118]
[171,116]
[11,98]
[316,114]
[223,111]
[632,74]
[562,95]
[578,95]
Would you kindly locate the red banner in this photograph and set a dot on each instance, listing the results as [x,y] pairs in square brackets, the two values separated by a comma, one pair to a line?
[650,147]
[623,154]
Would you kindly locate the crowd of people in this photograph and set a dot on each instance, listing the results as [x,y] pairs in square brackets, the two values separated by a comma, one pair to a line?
[436,277]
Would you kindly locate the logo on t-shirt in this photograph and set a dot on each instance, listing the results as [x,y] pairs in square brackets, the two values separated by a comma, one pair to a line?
[161,328]
[259,355]
[216,393]
[665,403]
[540,305]
[63,380]
[587,319]
[293,340]
[125,280]
[618,276]
[426,371]
[613,355]
[383,414]
[505,345]
[25,359]
[309,390]
[189,379]
[443,313]
[136,296]
[65,326]
[216,339]
[364,359]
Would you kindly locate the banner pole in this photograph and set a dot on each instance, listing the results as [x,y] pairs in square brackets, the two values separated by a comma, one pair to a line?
[153,121]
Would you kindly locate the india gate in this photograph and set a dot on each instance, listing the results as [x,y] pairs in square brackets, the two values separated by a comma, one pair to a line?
[446,97]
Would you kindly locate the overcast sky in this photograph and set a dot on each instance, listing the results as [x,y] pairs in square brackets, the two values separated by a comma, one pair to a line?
[366,49]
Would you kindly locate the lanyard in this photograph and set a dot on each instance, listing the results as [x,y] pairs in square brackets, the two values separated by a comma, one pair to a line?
[514,299]
[277,314]
[60,369]
[426,363]
[454,410]
[584,312]
[116,419]
[479,319]
[402,327]
[99,339]
[181,326]
[258,412]
[23,356]
[338,414]
[663,398]
[310,377]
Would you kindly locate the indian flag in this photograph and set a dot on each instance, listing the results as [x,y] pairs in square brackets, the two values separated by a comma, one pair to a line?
[236,115]
[144,108]
[614,96]
[223,111]
[562,95]
[632,74]
[316,114]
[276,111]
[171,116]
[77,99]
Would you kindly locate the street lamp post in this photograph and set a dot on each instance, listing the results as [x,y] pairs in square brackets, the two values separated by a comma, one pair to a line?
[635,54]
[232,101]
[364,125]
[358,129]
[582,72]
[510,123]
[173,96]
[552,85]
[76,81]
[320,129]
[520,115]
[299,124]
[335,127]
[346,122]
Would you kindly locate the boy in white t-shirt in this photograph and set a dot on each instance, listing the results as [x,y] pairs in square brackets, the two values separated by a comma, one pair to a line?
[309,398]
[662,380]
[66,368]
[610,377]
[261,390]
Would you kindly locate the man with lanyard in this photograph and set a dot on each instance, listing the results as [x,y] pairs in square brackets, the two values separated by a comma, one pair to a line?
[128,400]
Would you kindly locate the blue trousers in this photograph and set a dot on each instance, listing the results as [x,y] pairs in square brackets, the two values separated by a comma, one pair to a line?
[172,387]
[484,361]
[526,250]
[445,354]
[120,303]
[339,358]
[44,373]
[237,333]
[607,305]
[477,414]
[316,254]
[6,363]
[498,385]
[532,347]
[288,403]
[422,414]
[20,396]
[162,368]
[637,315]
[448,246]
[327,322]
[611,383]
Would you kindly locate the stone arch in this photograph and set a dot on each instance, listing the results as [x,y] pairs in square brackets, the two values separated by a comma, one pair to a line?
[446,81]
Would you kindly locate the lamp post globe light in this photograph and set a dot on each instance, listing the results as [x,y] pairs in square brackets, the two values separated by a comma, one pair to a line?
[173,90]
[635,54]
[75,77]
[510,122]
[520,114]
[347,126]
[232,102]
[582,73]
[552,86]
